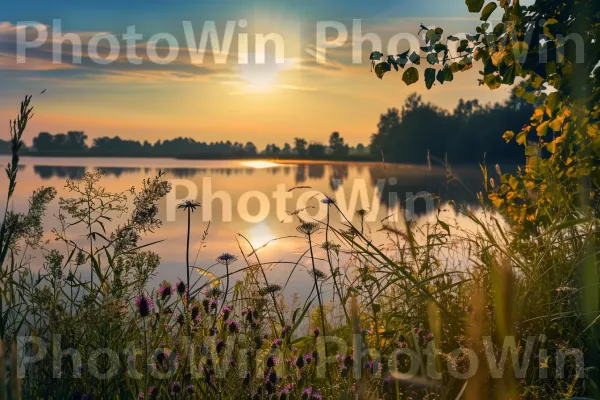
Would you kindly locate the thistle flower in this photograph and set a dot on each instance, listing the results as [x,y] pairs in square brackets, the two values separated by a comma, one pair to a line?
[220,346]
[226,311]
[188,205]
[300,362]
[308,228]
[175,388]
[190,389]
[181,288]
[143,305]
[153,392]
[165,290]
[307,358]
[234,327]
[286,330]
[206,304]
[226,259]
[276,343]
[328,200]
[270,362]
[316,332]
[195,311]
[273,377]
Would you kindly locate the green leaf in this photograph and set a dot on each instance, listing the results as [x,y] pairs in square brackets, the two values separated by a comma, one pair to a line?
[432,58]
[415,58]
[488,10]
[376,55]
[410,76]
[474,5]
[448,75]
[430,77]
[381,69]
[440,76]
[376,308]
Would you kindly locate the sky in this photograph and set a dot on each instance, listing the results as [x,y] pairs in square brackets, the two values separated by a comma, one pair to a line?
[172,89]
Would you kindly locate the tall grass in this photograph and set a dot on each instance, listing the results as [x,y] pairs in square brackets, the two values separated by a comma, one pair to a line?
[223,334]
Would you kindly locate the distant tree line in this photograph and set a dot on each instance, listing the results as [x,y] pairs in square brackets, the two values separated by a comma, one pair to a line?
[466,135]
[414,134]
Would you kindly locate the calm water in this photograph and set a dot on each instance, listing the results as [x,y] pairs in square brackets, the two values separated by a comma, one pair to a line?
[256,200]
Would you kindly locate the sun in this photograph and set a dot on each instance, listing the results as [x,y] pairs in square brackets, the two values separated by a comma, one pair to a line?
[262,77]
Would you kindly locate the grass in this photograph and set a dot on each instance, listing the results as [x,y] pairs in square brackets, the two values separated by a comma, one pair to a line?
[404,321]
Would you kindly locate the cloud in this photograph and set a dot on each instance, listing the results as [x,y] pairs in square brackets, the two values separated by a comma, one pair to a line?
[127,63]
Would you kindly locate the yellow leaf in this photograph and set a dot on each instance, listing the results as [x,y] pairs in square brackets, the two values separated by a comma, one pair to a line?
[543,128]
[508,135]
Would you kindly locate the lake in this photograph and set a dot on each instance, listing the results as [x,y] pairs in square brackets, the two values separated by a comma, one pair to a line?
[260,200]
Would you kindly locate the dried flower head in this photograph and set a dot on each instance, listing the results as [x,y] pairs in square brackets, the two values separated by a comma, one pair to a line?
[226,258]
[308,228]
[269,290]
[188,205]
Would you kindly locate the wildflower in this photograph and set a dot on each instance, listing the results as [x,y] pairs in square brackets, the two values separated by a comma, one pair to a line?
[348,361]
[269,290]
[246,380]
[206,304]
[386,384]
[226,311]
[233,326]
[317,274]
[188,205]
[153,392]
[213,304]
[328,200]
[165,290]
[362,213]
[270,362]
[300,362]
[276,343]
[308,228]
[220,346]
[307,393]
[190,389]
[175,388]
[195,312]
[273,377]
[181,288]
[226,259]
[316,332]
[286,330]
[307,358]
[144,305]
[344,372]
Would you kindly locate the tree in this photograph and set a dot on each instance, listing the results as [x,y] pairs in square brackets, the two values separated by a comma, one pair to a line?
[316,150]
[300,147]
[336,143]
[43,141]
[287,149]
[250,149]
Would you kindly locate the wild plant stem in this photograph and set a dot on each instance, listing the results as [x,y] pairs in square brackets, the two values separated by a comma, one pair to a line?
[337,289]
[312,258]
[187,253]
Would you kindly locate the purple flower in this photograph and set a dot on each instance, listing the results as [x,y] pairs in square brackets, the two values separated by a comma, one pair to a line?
[286,330]
[143,305]
[316,332]
[190,389]
[234,327]
[276,343]
[165,290]
[226,311]
[226,258]
[153,392]
[308,358]
[181,288]
[328,200]
[175,388]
